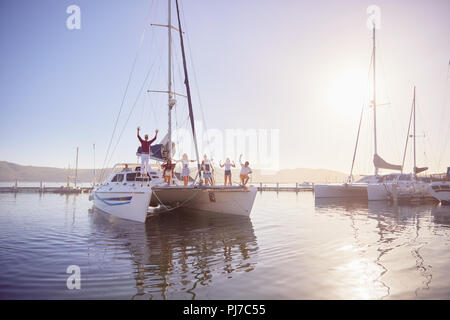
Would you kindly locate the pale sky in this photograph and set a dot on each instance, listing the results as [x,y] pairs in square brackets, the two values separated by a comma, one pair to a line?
[297,66]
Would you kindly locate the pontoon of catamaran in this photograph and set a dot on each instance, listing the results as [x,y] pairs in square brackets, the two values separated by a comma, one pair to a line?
[129,195]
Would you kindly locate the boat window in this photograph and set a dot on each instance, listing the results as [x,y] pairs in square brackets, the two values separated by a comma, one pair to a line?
[131,176]
[117,178]
[405,177]
[435,187]
[444,186]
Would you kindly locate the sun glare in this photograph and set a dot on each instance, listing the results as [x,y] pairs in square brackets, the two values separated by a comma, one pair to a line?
[347,91]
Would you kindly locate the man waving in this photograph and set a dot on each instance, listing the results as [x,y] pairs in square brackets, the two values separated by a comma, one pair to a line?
[145,150]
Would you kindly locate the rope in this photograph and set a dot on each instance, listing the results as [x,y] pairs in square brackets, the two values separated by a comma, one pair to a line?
[180,205]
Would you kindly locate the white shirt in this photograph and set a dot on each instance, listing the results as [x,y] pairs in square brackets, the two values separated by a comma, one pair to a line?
[245,170]
[227,166]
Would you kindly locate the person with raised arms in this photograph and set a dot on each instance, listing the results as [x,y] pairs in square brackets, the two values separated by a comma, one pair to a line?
[145,150]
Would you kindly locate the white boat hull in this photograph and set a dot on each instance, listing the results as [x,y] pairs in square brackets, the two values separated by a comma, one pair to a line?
[346,190]
[402,190]
[378,192]
[440,190]
[125,205]
[223,200]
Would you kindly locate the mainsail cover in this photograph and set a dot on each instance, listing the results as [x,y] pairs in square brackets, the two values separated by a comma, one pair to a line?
[380,163]
[419,170]
[160,151]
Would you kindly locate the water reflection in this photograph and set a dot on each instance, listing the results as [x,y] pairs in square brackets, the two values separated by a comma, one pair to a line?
[175,254]
[441,214]
[392,238]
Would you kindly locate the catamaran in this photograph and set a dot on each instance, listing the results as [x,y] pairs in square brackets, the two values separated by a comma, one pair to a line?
[128,194]
[358,189]
[402,186]
[440,187]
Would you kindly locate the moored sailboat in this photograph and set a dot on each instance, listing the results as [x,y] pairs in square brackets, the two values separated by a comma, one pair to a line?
[359,189]
[127,193]
[402,186]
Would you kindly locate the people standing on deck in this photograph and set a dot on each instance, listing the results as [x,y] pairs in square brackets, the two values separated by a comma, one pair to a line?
[145,150]
[168,168]
[207,170]
[245,171]
[227,166]
[185,171]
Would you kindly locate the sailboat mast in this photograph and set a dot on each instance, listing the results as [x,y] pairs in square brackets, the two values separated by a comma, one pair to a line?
[414,130]
[188,89]
[170,96]
[374,100]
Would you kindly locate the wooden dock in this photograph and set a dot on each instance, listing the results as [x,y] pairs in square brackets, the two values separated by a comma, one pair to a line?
[278,188]
[61,190]
[68,190]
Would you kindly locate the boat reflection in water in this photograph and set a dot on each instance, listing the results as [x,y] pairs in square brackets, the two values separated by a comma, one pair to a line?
[175,255]
[392,242]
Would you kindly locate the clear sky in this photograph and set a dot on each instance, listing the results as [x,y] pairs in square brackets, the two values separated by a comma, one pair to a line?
[297,66]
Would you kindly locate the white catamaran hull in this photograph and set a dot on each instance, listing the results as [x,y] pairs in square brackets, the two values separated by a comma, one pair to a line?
[378,192]
[441,191]
[224,200]
[125,205]
[386,191]
[346,190]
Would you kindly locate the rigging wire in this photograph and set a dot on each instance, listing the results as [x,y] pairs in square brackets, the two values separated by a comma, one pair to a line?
[380,61]
[361,117]
[191,58]
[443,116]
[141,41]
[132,109]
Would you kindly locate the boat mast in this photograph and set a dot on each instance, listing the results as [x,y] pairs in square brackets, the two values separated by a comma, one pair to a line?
[76,170]
[188,90]
[170,95]
[374,100]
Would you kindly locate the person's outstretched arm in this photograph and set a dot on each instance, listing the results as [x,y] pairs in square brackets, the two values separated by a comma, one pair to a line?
[139,137]
[156,135]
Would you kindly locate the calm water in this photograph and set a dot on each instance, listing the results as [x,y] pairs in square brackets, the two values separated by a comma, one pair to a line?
[290,248]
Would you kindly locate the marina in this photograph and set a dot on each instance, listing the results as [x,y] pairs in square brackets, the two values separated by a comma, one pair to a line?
[225,151]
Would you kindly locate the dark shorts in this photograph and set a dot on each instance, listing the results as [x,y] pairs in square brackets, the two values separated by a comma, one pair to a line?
[207,175]
[228,172]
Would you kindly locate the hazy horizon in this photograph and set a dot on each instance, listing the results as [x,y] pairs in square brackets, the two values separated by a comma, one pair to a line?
[300,68]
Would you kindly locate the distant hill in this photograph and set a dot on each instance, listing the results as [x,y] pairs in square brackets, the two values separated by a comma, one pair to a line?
[11,172]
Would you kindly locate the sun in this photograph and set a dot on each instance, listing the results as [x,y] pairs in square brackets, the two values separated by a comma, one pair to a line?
[347,91]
